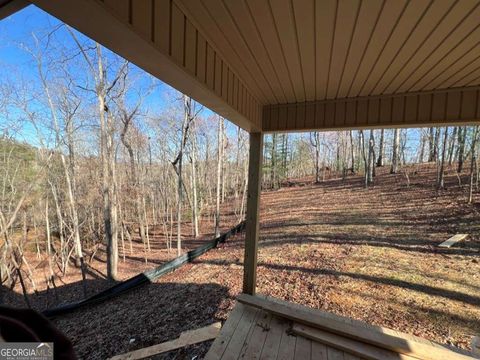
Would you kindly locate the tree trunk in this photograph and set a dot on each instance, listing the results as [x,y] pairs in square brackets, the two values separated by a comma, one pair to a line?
[219,176]
[108,172]
[395,151]
[273,162]
[473,163]
[461,147]
[381,148]
[422,149]
[371,158]
[364,155]
[352,152]
[194,185]
[178,166]
[451,146]
[441,175]
[431,142]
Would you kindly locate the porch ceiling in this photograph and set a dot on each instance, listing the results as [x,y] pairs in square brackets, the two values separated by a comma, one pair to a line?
[305,50]
[286,65]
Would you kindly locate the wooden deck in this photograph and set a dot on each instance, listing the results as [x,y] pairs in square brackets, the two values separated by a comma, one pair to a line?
[265,328]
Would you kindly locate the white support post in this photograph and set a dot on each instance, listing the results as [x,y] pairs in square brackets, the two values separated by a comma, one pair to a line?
[253,210]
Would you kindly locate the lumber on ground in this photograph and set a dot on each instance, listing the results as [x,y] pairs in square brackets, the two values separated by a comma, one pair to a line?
[186,338]
[453,240]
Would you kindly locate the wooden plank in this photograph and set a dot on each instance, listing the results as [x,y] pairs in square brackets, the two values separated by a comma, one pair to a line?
[453,240]
[252,218]
[319,351]
[334,354]
[240,334]
[286,350]
[344,344]
[254,345]
[348,356]
[272,341]
[351,357]
[303,348]
[186,338]
[353,329]
[233,355]
[221,342]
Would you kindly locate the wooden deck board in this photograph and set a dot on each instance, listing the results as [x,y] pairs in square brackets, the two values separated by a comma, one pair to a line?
[334,354]
[248,339]
[259,334]
[272,341]
[240,334]
[353,329]
[347,356]
[303,348]
[286,350]
[270,332]
[319,351]
[219,345]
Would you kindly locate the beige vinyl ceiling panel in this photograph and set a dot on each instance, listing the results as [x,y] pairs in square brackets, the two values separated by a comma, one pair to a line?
[296,65]
[291,51]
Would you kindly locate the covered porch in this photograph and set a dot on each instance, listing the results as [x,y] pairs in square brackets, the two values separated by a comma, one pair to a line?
[278,66]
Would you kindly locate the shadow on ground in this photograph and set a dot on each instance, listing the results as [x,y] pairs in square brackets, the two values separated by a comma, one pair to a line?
[142,317]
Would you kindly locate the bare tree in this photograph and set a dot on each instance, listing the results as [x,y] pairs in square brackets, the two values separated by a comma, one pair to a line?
[395,151]
[381,148]
[315,142]
[473,162]
[219,174]
[441,170]
[188,117]
[461,147]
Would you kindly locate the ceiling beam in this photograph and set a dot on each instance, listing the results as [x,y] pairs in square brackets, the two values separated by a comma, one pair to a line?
[10,7]
[459,106]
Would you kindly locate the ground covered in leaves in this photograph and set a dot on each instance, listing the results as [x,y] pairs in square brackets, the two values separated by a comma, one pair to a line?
[368,254]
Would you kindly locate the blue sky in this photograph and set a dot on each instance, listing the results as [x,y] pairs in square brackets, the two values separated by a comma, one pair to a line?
[17,30]
[16,33]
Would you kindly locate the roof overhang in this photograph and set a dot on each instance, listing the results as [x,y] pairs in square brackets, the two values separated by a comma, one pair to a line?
[10,7]
[282,65]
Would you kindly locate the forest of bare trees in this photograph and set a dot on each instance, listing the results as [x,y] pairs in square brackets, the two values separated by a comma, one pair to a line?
[88,158]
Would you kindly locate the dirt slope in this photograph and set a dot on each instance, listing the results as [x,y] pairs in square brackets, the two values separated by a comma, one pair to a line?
[368,254]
